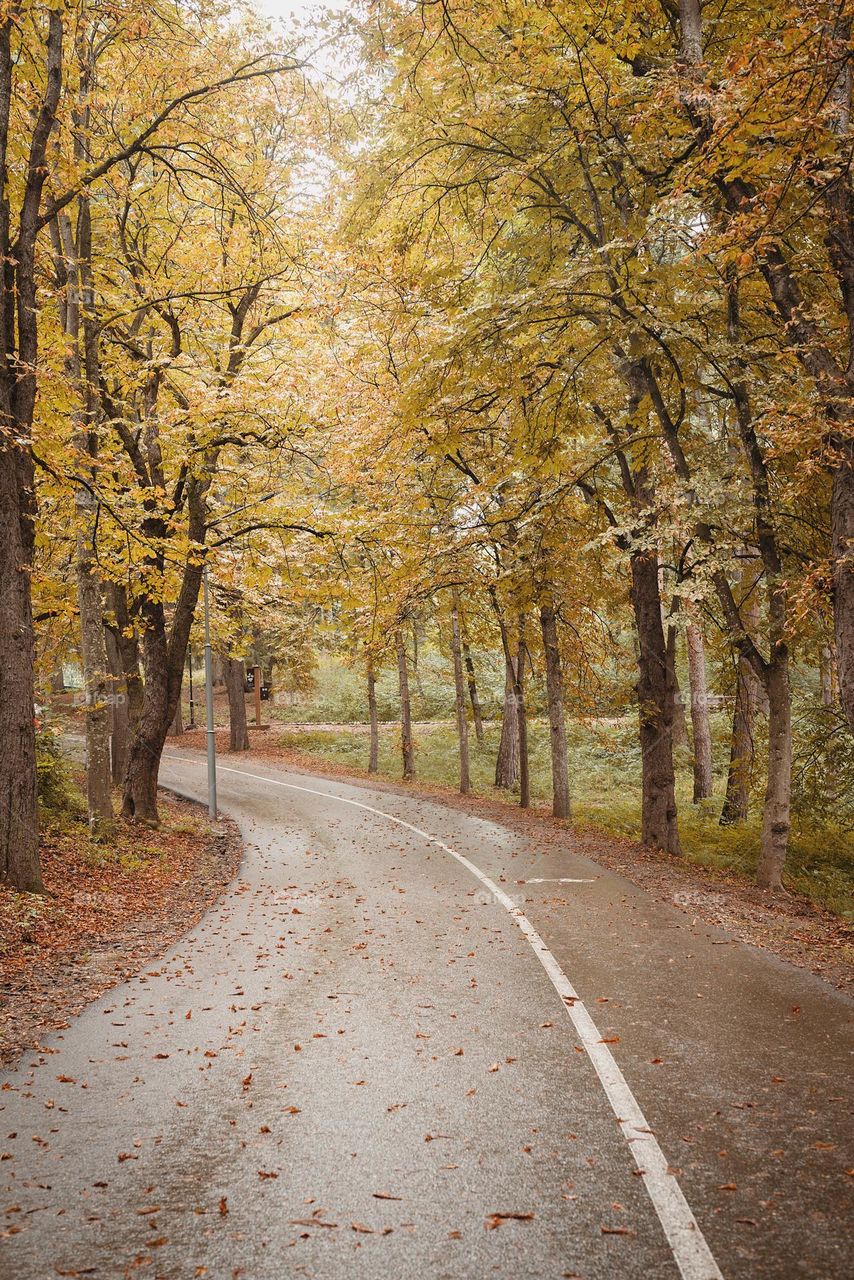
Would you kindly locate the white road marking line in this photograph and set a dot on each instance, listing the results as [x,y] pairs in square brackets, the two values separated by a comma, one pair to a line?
[691,1253]
[557,880]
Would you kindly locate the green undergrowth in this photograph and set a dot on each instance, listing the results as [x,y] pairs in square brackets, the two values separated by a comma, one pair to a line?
[605,777]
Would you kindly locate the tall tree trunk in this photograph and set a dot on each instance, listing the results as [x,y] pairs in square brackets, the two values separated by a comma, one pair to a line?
[703,779]
[659,825]
[742,749]
[19,860]
[19,312]
[139,799]
[120,721]
[235,679]
[557,726]
[842,537]
[164,655]
[96,682]
[123,635]
[460,696]
[507,761]
[775,819]
[406,743]
[522,719]
[477,714]
[374,750]
[176,728]
[680,723]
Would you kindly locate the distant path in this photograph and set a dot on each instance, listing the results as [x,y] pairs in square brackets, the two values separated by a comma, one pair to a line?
[295,1062]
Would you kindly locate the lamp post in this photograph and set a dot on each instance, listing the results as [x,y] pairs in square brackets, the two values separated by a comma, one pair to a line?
[192,724]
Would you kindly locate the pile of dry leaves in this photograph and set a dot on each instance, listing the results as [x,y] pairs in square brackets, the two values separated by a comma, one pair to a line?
[110,905]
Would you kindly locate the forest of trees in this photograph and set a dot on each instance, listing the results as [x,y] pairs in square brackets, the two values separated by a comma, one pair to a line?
[535,329]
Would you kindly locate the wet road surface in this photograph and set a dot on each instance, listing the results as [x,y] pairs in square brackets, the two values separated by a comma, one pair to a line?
[359,1057]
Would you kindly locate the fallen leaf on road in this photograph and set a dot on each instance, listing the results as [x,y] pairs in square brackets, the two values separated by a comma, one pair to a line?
[495,1219]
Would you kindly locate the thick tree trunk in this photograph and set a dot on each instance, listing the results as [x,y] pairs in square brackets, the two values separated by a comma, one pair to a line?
[139,799]
[163,663]
[406,744]
[842,538]
[557,726]
[742,749]
[234,674]
[460,698]
[680,722]
[124,636]
[374,750]
[703,779]
[96,681]
[19,860]
[522,719]
[775,819]
[119,721]
[477,714]
[659,826]
[507,761]
[19,312]
[176,728]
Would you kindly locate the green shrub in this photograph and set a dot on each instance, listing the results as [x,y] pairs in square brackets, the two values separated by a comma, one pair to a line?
[56,790]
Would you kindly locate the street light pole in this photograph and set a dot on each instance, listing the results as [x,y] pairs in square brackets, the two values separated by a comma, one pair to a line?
[209,703]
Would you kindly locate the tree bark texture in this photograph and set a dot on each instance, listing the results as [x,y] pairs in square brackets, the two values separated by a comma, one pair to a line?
[477,714]
[234,674]
[406,744]
[19,859]
[659,826]
[557,726]
[460,697]
[374,749]
[522,719]
[775,818]
[703,778]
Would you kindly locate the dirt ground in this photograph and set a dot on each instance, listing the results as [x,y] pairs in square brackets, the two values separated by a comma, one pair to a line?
[110,907]
[789,925]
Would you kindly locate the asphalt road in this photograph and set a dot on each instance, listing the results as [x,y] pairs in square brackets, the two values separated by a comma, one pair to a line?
[389,1032]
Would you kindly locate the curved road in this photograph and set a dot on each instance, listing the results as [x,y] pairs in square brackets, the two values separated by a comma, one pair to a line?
[401,1022]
